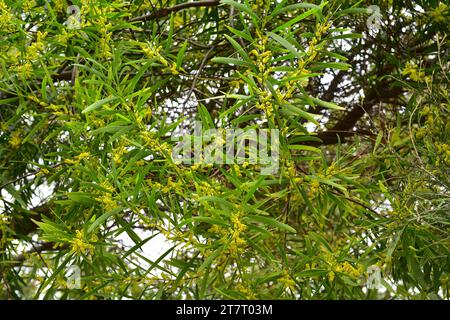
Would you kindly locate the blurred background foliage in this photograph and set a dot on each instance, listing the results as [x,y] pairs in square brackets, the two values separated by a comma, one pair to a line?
[90,99]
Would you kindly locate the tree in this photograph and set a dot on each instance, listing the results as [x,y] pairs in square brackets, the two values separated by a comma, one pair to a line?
[94,92]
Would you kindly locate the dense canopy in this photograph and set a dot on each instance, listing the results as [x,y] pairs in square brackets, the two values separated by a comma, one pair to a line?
[95,95]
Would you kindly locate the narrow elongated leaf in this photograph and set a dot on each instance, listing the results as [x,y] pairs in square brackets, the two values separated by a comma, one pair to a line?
[98,104]
[270,222]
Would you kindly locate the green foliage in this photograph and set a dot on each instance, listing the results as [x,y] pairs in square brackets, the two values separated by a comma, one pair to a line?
[88,179]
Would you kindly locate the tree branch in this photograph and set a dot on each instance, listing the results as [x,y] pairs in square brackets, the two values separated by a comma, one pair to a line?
[163,12]
[46,246]
[344,127]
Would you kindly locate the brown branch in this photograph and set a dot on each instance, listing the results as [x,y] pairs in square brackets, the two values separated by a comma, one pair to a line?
[340,131]
[47,246]
[163,12]
[194,82]
[331,136]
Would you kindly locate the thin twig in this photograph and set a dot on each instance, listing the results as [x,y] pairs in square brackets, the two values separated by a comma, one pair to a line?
[194,82]
[163,12]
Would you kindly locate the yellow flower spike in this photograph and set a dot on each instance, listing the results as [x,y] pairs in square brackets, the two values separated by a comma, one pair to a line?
[173,69]
[78,158]
[79,246]
[59,5]
[287,281]
[331,276]
[413,72]
[438,13]
[25,69]
[15,141]
[3,7]
[298,180]
[28,5]
[43,171]
[108,203]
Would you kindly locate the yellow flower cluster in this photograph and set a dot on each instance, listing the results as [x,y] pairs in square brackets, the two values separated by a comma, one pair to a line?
[321,29]
[287,281]
[25,69]
[78,158]
[249,294]
[106,185]
[105,37]
[235,84]
[118,154]
[154,52]
[261,5]
[289,169]
[314,188]
[15,141]
[152,141]
[176,186]
[80,245]
[3,6]
[265,103]
[231,237]
[4,222]
[42,172]
[58,110]
[34,49]
[311,52]
[345,268]
[237,244]
[414,73]
[63,37]
[13,55]
[59,5]
[434,122]
[108,202]
[206,189]
[262,59]
[443,150]
[348,269]
[331,171]
[6,18]
[28,5]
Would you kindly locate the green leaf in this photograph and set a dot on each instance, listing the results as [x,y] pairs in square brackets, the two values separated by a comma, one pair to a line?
[285,44]
[211,258]
[204,219]
[312,273]
[271,222]
[305,148]
[239,49]
[330,65]
[242,7]
[295,20]
[325,104]
[181,54]
[232,61]
[347,36]
[293,110]
[281,8]
[99,103]
[241,34]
